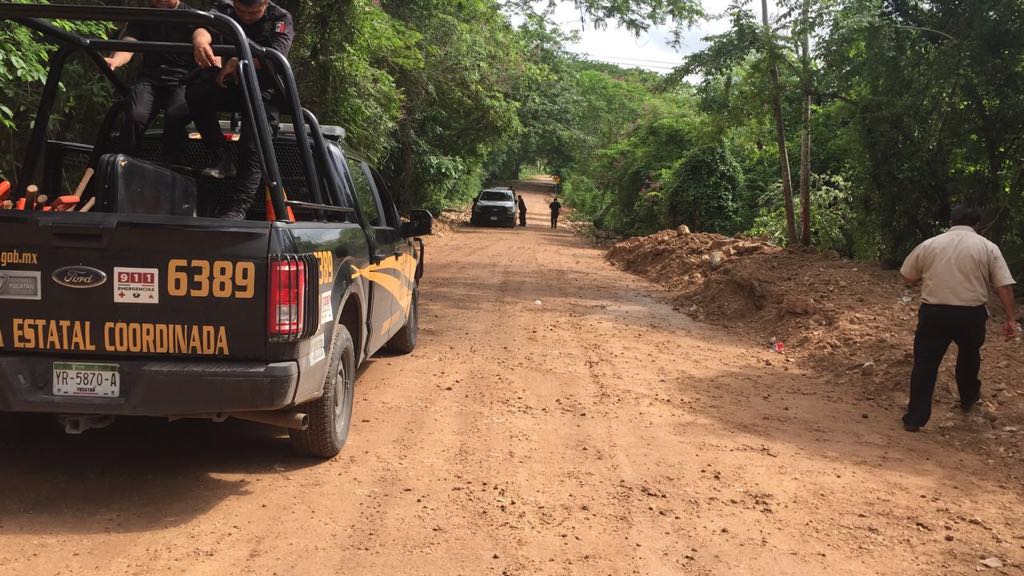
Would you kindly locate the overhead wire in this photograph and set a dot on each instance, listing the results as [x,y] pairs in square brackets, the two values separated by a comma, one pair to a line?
[629,61]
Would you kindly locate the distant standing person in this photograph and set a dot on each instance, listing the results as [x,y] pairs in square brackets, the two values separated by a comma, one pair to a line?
[522,211]
[958,269]
[556,207]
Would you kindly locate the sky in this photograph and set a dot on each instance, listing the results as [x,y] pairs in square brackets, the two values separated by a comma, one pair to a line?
[651,50]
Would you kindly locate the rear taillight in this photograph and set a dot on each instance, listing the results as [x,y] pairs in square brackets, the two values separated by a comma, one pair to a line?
[287,313]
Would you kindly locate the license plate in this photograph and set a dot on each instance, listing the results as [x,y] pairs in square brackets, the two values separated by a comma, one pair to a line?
[87,380]
[494,217]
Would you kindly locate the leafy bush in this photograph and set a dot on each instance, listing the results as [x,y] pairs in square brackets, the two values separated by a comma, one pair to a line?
[700,191]
[23,68]
[833,219]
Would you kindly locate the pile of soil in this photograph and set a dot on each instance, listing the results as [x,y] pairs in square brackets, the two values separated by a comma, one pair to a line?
[449,219]
[850,321]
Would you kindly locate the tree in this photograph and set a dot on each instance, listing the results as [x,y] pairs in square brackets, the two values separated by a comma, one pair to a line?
[936,105]
[23,68]
[775,99]
[700,190]
[746,45]
[634,15]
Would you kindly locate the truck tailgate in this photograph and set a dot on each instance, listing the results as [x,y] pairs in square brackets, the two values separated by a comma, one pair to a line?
[92,285]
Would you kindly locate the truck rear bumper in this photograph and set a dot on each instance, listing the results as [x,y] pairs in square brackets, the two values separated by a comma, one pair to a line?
[489,220]
[153,388]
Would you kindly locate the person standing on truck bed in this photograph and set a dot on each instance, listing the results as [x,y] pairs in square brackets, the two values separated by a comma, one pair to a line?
[270,26]
[158,85]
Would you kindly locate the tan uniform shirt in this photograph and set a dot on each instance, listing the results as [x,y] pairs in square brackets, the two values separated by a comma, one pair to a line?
[959,268]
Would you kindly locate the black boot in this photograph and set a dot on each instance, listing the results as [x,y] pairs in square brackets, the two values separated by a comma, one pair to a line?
[220,171]
[233,213]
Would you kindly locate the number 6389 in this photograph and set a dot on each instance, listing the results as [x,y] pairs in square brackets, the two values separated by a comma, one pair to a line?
[219,278]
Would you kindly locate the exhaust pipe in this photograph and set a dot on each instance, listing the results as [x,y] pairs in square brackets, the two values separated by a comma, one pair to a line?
[76,424]
[289,420]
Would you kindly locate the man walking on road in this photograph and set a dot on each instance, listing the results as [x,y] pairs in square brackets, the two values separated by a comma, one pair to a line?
[556,207]
[522,211]
[959,269]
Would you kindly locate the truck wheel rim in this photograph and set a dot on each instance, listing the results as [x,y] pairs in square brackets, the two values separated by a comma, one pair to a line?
[341,394]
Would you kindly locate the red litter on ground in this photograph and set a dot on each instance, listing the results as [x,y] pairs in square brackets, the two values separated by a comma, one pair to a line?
[779,346]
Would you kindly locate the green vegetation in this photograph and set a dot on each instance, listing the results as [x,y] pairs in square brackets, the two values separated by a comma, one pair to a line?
[888,115]
[853,125]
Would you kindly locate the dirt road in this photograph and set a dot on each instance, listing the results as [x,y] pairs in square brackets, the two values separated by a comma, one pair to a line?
[557,418]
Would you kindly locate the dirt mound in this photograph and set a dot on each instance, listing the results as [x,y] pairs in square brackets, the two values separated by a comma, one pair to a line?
[673,256]
[449,219]
[851,321]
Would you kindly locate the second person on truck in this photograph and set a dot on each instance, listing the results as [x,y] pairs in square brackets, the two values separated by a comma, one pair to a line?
[216,90]
[158,85]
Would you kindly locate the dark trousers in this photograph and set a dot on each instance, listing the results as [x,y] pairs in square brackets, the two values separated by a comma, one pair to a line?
[522,217]
[554,219]
[146,98]
[205,101]
[937,326]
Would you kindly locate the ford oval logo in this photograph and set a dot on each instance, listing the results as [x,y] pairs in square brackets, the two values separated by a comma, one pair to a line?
[79,277]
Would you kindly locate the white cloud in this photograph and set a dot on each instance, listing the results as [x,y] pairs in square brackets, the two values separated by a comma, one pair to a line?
[651,50]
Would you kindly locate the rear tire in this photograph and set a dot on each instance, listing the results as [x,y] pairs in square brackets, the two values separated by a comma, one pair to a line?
[331,414]
[404,341]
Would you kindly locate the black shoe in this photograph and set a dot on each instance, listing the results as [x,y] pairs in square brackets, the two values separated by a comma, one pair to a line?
[222,170]
[911,428]
[233,214]
[968,406]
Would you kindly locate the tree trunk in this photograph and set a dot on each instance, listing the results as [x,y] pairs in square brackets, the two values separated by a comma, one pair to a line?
[805,174]
[780,132]
[994,198]
[805,137]
[406,196]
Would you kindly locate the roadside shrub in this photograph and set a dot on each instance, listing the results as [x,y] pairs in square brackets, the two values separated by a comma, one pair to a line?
[834,224]
[700,190]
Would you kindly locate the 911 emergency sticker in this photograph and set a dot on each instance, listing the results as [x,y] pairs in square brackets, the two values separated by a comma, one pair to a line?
[137,285]
[326,311]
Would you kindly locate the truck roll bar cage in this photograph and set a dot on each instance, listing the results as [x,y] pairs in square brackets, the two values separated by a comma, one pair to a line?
[37,16]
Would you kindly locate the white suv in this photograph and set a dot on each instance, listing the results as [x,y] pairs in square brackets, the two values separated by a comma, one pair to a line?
[495,206]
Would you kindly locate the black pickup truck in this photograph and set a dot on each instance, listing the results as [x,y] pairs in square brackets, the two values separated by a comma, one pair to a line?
[143,306]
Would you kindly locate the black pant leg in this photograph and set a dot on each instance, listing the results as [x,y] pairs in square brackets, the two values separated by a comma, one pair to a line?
[176,118]
[250,168]
[205,99]
[930,344]
[969,337]
[140,113]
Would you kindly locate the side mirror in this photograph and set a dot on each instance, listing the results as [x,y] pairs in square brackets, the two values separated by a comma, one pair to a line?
[421,223]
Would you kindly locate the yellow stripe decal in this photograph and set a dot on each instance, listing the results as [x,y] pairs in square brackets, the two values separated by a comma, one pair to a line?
[399,285]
